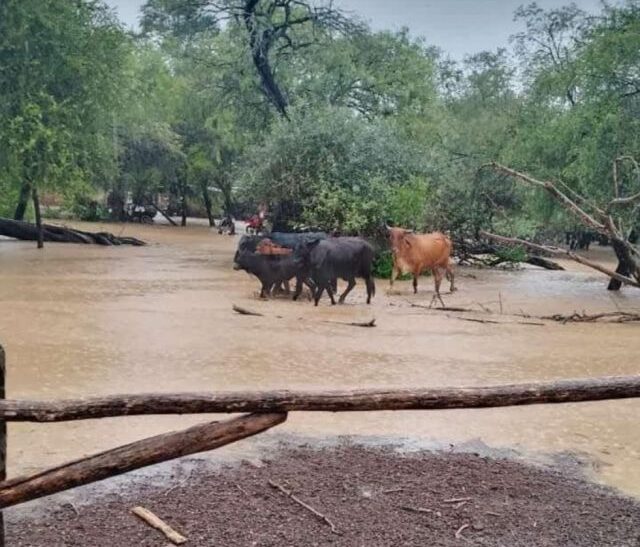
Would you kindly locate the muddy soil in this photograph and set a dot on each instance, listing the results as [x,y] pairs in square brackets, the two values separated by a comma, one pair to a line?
[373,497]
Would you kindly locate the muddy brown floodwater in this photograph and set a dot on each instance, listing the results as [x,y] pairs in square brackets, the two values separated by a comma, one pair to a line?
[86,320]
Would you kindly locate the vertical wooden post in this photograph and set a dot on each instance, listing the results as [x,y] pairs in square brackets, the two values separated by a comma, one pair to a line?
[3,439]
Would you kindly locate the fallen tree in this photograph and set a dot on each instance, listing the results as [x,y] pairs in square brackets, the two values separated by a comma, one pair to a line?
[60,234]
[478,253]
[606,220]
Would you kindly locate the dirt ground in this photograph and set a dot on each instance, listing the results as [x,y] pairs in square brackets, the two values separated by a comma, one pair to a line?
[372,497]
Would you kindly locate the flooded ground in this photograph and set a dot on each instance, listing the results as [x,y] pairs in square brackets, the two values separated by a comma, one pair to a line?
[86,320]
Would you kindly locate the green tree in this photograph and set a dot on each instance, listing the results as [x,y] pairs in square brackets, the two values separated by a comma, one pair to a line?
[59,82]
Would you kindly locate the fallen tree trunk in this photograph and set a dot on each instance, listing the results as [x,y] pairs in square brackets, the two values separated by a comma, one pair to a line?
[59,234]
[595,217]
[470,250]
[164,214]
[139,454]
[562,391]
[560,252]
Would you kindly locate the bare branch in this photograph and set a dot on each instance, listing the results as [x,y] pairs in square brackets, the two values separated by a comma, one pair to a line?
[630,200]
[565,200]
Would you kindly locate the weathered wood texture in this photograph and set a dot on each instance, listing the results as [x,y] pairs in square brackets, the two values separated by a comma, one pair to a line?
[59,234]
[134,456]
[562,391]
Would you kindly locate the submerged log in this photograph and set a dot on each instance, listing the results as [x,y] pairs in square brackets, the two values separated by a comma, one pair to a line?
[472,251]
[561,391]
[138,454]
[59,234]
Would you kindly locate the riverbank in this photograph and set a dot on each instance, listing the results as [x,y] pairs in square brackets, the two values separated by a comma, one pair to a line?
[371,496]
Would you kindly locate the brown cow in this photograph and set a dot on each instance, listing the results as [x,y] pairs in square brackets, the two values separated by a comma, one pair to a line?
[417,253]
[268,247]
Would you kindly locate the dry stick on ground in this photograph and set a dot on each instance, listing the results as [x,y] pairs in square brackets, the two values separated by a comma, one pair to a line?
[305,505]
[446,308]
[157,523]
[559,252]
[244,311]
[135,455]
[472,320]
[460,530]
[609,317]
[177,485]
[416,509]
[371,323]
[559,391]
[456,500]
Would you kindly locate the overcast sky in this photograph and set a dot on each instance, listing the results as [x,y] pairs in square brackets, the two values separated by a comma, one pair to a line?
[459,27]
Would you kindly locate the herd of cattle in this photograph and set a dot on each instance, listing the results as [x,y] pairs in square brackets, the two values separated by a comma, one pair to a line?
[317,260]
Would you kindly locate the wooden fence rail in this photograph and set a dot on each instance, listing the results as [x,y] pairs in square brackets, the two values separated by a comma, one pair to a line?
[562,391]
[267,408]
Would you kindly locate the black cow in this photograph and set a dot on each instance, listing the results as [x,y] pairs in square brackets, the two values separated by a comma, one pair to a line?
[339,257]
[292,240]
[274,269]
[284,239]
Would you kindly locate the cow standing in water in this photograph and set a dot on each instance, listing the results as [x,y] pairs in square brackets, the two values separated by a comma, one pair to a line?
[339,257]
[417,253]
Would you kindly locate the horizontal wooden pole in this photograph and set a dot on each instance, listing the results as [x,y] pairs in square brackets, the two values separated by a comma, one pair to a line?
[562,391]
[160,448]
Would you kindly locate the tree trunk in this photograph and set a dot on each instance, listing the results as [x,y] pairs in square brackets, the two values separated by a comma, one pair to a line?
[207,204]
[23,201]
[562,391]
[625,265]
[36,208]
[260,43]
[184,205]
[29,232]
[135,455]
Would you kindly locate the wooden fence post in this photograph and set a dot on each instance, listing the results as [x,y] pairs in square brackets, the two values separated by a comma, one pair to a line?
[3,439]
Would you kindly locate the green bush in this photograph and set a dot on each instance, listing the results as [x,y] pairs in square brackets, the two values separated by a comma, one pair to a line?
[383,266]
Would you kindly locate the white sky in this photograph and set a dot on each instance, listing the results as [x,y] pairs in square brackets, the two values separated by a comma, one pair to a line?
[458,27]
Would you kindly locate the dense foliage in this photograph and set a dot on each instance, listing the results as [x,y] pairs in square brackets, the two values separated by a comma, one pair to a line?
[220,105]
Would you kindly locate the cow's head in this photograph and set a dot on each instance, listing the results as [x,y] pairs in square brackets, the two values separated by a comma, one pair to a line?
[398,239]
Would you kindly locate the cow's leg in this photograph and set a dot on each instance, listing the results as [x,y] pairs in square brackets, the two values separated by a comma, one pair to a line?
[298,290]
[312,287]
[351,283]
[334,285]
[265,290]
[327,285]
[371,288]
[395,272]
[415,283]
[451,277]
[318,293]
[437,276]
